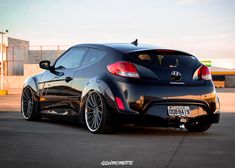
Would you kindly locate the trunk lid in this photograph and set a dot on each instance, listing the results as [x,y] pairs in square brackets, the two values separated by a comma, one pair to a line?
[167,67]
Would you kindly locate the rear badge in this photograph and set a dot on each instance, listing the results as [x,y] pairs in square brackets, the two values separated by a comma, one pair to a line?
[176,76]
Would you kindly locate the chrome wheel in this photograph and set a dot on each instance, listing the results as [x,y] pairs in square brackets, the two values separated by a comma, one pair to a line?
[94,111]
[27,103]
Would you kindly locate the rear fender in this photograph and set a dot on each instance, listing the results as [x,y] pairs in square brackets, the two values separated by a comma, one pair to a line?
[99,85]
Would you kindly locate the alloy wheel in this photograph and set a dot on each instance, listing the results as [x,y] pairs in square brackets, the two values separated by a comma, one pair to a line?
[94,111]
[27,103]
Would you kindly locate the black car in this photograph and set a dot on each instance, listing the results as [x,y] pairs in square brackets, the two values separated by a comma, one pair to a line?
[104,85]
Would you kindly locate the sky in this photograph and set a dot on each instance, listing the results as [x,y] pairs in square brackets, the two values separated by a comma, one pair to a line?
[205,28]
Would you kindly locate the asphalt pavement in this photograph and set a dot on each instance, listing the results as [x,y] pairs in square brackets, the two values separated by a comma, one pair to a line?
[58,143]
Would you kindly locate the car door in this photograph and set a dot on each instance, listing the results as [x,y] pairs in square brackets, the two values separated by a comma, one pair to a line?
[58,81]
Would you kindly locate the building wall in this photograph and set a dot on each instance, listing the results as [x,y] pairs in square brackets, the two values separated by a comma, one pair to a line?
[16,82]
[35,56]
[17,52]
[230,81]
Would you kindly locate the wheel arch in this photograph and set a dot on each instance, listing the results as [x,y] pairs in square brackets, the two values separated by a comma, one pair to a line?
[31,82]
[101,86]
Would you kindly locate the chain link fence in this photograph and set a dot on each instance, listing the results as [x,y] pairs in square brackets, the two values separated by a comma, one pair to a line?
[45,52]
[17,56]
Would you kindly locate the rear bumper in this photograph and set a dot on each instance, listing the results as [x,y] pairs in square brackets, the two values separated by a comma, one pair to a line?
[149,102]
[215,118]
[197,111]
[137,98]
[158,116]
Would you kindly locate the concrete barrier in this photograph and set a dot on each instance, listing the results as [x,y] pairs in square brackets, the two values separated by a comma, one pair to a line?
[230,81]
[16,82]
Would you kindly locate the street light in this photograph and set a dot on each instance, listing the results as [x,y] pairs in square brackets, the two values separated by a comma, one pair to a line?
[2,69]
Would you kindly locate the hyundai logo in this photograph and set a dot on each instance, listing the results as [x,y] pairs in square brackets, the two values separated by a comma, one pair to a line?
[176,76]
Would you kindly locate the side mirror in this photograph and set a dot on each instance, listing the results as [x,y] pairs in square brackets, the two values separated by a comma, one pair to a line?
[45,64]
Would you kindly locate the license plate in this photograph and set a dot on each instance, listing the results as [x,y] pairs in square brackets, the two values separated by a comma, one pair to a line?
[178,110]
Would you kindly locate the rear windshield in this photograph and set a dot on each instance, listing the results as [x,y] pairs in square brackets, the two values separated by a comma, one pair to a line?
[164,59]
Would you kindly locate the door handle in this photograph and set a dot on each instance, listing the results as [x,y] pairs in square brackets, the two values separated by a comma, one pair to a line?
[68,79]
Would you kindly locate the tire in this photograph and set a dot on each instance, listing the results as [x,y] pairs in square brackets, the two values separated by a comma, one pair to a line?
[97,115]
[29,105]
[198,126]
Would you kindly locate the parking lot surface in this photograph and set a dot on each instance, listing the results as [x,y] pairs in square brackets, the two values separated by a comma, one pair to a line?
[53,143]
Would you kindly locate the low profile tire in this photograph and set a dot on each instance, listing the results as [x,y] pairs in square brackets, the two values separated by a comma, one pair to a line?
[97,115]
[198,126]
[29,105]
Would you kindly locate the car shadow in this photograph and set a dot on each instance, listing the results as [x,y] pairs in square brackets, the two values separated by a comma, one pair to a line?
[128,129]
[158,131]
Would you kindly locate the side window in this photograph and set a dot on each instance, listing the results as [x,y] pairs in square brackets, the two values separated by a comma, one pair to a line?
[92,56]
[71,59]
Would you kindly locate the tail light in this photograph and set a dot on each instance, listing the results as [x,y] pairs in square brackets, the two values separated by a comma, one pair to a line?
[203,72]
[125,69]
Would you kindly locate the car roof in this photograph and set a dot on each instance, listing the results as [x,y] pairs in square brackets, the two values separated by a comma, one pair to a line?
[122,47]
[128,47]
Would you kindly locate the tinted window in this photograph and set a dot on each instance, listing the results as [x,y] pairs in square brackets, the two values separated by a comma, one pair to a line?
[71,59]
[92,56]
[165,59]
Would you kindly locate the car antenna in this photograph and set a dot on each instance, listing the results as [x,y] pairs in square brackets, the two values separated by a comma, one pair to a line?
[135,42]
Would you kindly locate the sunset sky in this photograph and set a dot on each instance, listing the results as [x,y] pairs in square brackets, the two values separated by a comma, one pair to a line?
[205,28]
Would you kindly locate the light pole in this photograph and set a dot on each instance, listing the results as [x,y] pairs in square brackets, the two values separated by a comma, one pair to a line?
[2,60]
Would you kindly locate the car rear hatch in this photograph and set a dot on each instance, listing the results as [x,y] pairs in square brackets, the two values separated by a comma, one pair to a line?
[166,67]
